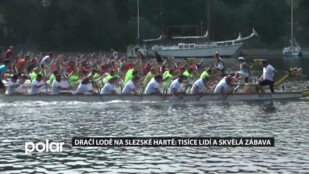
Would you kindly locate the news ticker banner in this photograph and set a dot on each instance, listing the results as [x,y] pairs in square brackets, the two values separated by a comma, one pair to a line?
[173,141]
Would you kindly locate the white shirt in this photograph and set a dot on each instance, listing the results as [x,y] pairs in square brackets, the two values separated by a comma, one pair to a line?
[107,89]
[55,89]
[221,84]
[268,73]
[200,84]
[220,65]
[35,89]
[46,58]
[82,88]
[152,87]
[12,90]
[175,85]
[128,89]
[115,55]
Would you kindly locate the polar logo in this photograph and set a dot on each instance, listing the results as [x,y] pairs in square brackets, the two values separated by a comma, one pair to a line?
[41,147]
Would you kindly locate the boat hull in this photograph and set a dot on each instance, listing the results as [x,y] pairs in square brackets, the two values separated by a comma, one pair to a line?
[105,98]
[225,51]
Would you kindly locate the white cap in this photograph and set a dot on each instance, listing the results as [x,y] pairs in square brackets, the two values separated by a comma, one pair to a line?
[217,53]
[241,58]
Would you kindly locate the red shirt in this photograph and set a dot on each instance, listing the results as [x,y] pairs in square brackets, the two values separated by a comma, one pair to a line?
[146,68]
[70,69]
[129,66]
[20,64]
[104,69]
[8,54]
[85,70]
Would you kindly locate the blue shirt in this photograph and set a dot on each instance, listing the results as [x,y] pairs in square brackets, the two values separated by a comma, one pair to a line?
[2,71]
[46,58]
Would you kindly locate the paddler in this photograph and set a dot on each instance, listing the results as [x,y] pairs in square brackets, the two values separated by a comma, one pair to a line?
[3,70]
[34,74]
[244,70]
[109,87]
[218,63]
[45,60]
[176,86]
[22,63]
[130,87]
[84,87]
[199,86]
[205,73]
[37,85]
[153,86]
[109,76]
[56,86]
[189,76]
[167,77]
[52,77]
[129,76]
[224,86]
[151,74]
[267,77]
[13,85]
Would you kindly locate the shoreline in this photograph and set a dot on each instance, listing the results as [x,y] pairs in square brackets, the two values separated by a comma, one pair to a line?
[267,52]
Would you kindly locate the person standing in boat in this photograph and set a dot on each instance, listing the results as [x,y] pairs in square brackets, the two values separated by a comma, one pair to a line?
[176,86]
[153,86]
[3,70]
[37,85]
[244,70]
[109,87]
[267,77]
[130,87]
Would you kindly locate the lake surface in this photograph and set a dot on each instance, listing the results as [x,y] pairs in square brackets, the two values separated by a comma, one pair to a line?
[35,121]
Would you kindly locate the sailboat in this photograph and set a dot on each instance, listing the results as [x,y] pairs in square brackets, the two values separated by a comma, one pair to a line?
[196,47]
[294,49]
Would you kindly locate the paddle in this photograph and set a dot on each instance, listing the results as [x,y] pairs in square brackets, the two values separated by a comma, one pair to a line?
[96,86]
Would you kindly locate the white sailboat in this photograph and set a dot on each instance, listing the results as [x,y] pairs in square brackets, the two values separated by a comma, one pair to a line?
[294,49]
[198,47]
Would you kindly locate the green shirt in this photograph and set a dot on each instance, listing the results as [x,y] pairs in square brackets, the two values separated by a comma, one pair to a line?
[106,79]
[187,74]
[74,80]
[168,79]
[204,74]
[148,77]
[33,76]
[128,77]
[51,79]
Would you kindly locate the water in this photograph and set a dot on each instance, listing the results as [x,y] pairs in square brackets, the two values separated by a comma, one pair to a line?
[37,121]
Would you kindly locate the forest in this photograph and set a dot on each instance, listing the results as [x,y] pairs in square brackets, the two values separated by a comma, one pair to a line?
[93,25]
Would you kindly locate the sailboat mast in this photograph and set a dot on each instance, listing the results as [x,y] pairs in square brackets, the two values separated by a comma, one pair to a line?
[292,23]
[138,21]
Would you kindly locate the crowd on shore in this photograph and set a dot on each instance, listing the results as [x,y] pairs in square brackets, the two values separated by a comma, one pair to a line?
[98,73]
